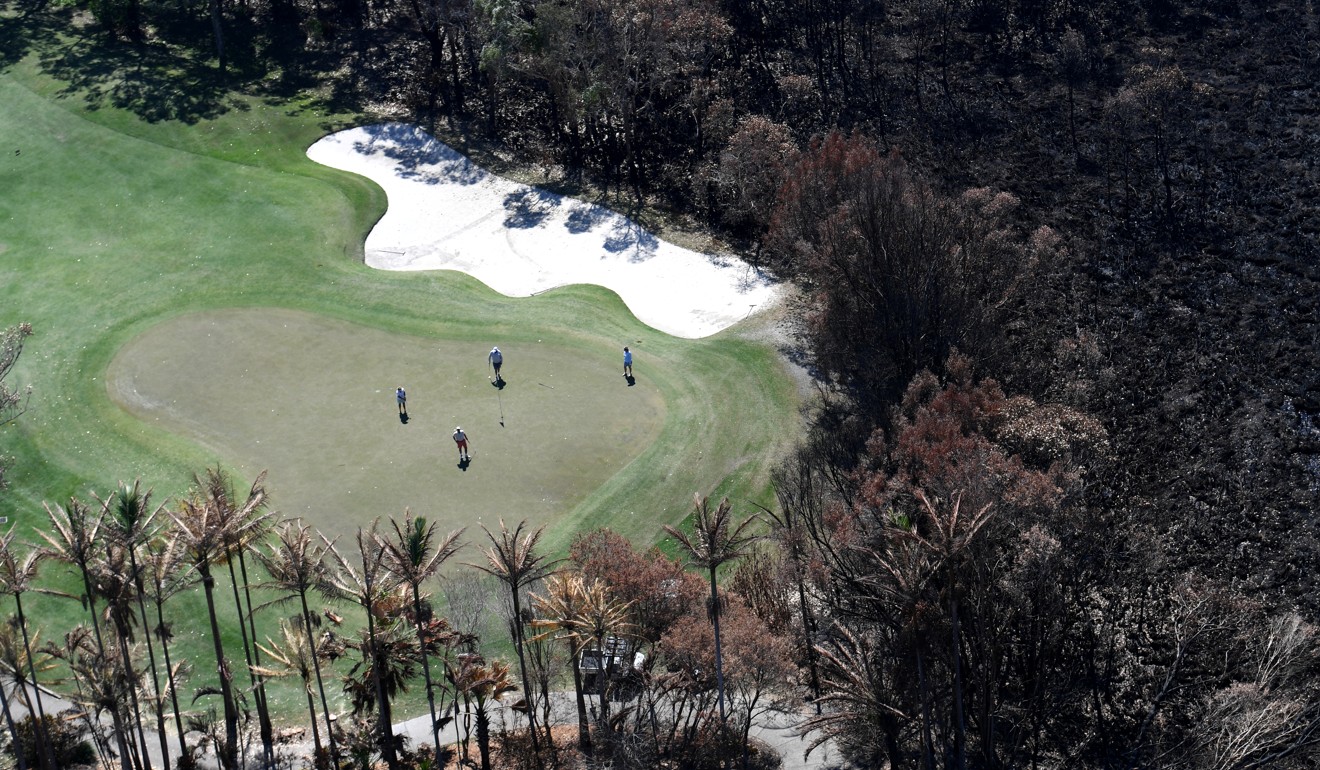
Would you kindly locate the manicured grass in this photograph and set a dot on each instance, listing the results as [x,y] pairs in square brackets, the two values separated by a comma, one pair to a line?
[331,437]
[124,239]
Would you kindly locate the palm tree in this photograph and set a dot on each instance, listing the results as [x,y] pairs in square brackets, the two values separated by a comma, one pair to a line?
[952,534]
[17,574]
[512,558]
[389,658]
[130,523]
[370,588]
[853,686]
[296,565]
[251,523]
[205,530]
[292,657]
[601,618]
[74,539]
[414,556]
[114,579]
[101,687]
[16,671]
[558,611]
[714,541]
[481,683]
[167,575]
[14,663]
[797,501]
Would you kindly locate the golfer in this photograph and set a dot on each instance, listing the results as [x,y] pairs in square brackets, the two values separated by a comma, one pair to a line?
[627,362]
[402,398]
[460,438]
[496,359]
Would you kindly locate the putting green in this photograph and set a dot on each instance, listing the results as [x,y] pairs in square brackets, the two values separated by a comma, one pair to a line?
[311,400]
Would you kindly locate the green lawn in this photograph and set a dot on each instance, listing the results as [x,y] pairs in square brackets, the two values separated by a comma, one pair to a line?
[197,298]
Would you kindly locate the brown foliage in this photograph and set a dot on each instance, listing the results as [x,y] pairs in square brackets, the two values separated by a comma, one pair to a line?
[753,656]
[752,167]
[656,588]
[895,275]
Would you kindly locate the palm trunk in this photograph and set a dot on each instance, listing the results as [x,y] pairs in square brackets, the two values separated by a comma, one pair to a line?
[91,607]
[584,727]
[228,754]
[263,718]
[169,672]
[263,706]
[127,749]
[151,658]
[483,736]
[808,624]
[120,735]
[426,672]
[719,655]
[43,741]
[13,729]
[603,688]
[139,747]
[383,724]
[320,685]
[522,667]
[316,731]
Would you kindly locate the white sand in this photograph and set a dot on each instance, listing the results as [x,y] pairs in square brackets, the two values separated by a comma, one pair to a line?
[445,213]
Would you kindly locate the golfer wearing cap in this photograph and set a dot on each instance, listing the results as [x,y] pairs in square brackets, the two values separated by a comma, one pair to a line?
[460,438]
[496,359]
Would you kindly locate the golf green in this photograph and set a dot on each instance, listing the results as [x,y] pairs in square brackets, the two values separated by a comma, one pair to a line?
[311,400]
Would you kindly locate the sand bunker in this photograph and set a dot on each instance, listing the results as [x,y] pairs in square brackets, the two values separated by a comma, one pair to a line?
[445,213]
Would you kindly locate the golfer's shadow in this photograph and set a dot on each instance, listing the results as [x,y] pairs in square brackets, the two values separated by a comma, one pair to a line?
[631,380]
[403,417]
[464,463]
[499,383]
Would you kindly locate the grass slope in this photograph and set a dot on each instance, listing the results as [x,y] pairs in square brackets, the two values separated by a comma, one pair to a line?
[115,226]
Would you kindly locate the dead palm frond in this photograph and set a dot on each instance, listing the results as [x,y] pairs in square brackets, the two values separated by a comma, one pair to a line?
[74,539]
[514,560]
[851,685]
[715,540]
[415,556]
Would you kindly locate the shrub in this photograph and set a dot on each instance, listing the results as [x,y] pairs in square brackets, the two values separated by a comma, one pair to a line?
[67,744]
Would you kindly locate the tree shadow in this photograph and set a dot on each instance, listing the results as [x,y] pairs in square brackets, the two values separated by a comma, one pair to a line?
[584,217]
[33,27]
[529,207]
[628,235]
[148,79]
[173,75]
[418,155]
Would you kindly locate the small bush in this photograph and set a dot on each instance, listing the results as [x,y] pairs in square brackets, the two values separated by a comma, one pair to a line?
[68,746]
